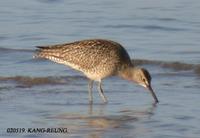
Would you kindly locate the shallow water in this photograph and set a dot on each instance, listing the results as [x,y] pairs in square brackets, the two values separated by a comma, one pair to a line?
[160,36]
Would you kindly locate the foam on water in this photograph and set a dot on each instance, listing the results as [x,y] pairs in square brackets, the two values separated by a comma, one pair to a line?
[178,66]
[27,81]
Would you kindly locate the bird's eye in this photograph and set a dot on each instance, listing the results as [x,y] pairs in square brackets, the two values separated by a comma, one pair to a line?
[143,80]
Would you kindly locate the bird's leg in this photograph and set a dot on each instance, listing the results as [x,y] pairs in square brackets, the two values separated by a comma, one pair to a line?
[90,86]
[101,93]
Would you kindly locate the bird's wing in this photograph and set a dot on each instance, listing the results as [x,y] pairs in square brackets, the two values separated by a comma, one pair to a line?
[84,55]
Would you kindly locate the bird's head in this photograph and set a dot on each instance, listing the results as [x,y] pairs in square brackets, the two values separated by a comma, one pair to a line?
[142,77]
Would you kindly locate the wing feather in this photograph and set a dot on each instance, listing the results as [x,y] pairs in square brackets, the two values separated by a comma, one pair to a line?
[86,54]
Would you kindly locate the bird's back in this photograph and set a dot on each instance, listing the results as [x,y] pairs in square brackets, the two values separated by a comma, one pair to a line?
[96,58]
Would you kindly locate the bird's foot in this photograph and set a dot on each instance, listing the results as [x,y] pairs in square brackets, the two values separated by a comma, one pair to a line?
[90,102]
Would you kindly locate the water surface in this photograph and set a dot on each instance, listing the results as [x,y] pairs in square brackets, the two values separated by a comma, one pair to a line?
[162,36]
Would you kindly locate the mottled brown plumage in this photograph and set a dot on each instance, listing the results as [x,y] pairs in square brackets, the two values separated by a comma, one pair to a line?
[92,57]
[97,59]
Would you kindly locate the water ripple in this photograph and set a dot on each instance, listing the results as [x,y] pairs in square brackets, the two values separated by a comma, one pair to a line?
[145,27]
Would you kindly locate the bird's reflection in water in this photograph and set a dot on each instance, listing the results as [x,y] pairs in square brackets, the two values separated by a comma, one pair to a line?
[100,109]
[98,120]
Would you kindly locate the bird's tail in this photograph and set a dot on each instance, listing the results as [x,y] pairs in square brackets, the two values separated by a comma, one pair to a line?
[51,53]
[41,52]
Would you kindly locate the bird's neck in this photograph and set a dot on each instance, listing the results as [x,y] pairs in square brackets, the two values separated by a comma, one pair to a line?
[128,73]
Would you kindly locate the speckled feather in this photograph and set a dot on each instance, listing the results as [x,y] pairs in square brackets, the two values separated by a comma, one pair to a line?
[96,58]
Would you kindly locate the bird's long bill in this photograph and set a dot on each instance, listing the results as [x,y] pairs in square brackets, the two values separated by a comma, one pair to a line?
[153,94]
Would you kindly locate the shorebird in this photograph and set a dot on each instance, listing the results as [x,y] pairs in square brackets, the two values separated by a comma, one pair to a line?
[97,59]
